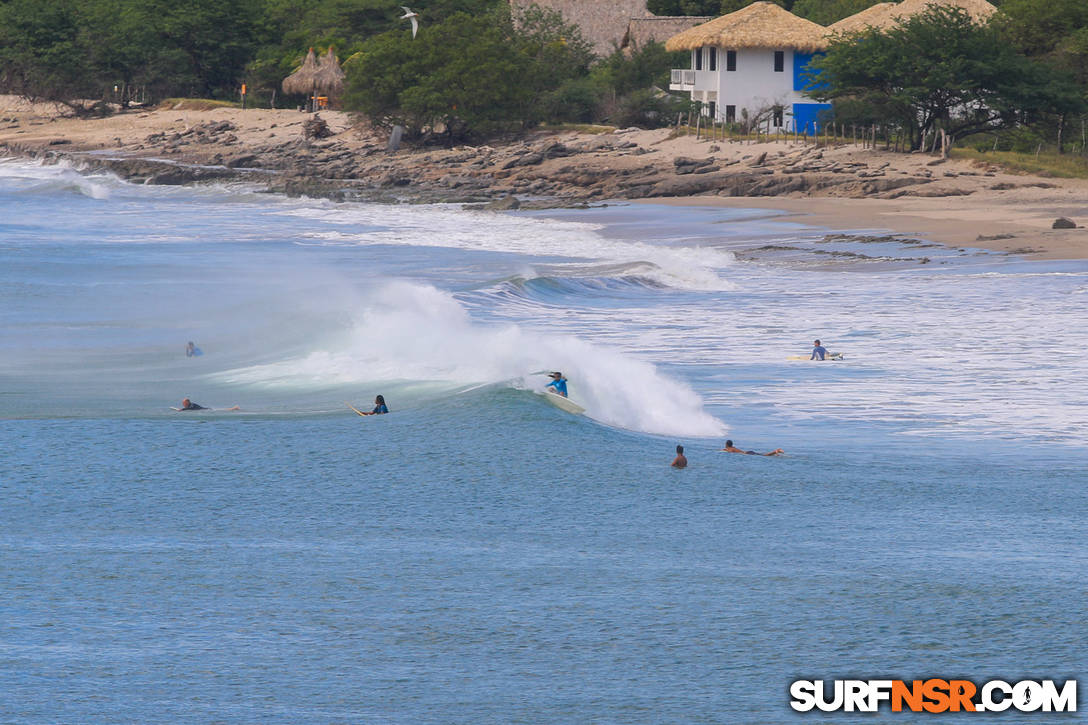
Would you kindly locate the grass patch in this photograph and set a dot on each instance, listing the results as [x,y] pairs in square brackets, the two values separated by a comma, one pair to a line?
[194,104]
[1066,166]
[577,127]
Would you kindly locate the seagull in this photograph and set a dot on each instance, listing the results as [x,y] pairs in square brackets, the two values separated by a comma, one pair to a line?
[411,16]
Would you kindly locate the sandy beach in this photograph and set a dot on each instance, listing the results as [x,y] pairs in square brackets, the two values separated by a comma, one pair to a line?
[841,186]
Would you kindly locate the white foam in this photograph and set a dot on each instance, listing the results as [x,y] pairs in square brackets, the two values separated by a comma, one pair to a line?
[405,331]
[696,267]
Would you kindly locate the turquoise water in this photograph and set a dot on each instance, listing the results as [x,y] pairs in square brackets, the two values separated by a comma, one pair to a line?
[479,555]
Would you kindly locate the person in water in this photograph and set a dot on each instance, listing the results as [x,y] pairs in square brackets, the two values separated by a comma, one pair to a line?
[680,461]
[190,349]
[379,406]
[559,383]
[730,448]
[187,404]
[819,352]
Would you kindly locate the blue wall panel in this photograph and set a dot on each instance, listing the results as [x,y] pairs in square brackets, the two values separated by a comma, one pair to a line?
[800,75]
[806,116]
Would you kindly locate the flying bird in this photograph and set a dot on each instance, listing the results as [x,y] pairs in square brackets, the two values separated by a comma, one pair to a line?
[411,16]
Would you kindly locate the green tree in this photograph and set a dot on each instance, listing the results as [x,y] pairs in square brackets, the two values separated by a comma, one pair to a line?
[1053,30]
[940,68]
[79,49]
[468,76]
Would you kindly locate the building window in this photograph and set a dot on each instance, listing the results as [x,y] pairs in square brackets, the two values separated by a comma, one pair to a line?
[712,61]
[730,114]
[713,109]
[730,60]
[698,53]
[777,121]
[779,61]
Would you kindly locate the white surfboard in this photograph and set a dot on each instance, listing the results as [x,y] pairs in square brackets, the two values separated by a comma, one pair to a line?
[564,403]
[830,356]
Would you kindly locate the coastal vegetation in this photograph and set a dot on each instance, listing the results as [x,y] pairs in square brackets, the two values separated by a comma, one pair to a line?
[940,70]
[477,69]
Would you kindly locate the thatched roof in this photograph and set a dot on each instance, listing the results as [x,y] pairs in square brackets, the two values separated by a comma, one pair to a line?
[602,22]
[302,80]
[760,25]
[979,10]
[871,17]
[329,78]
[643,31]
[887,15]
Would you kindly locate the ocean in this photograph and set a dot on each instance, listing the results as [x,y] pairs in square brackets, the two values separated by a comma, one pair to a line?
[481,556]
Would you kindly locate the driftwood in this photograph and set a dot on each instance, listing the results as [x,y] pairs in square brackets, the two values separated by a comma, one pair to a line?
[316,127]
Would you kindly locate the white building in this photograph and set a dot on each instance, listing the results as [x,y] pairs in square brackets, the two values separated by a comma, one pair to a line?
[751,65]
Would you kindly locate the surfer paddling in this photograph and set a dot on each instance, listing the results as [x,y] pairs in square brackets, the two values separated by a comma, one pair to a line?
[730,448]
[187,404]
[681,460]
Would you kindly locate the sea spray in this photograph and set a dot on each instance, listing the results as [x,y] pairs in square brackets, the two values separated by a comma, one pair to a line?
[403,331]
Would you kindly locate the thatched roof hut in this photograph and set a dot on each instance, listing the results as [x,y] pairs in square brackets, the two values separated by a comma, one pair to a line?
[329,77]
[760,25]
[871,17]
[301,82]
[643,31]
[888,15]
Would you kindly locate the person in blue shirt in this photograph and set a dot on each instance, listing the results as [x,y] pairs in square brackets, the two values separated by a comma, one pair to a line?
[559,383]
[379,406]
[819,352]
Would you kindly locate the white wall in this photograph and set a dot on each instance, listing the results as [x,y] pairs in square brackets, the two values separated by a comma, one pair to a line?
[755,85]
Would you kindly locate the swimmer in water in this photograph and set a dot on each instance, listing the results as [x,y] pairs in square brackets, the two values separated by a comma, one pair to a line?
[680,461]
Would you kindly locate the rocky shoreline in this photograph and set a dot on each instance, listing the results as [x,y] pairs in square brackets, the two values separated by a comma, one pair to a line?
[544,168]
[840,186]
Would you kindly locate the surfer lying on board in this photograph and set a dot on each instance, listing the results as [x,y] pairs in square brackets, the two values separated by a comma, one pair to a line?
[187,404]
[819,352]
[559,383]
[730,448]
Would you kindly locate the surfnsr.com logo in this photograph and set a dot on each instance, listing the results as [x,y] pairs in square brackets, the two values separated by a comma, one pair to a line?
[934,695]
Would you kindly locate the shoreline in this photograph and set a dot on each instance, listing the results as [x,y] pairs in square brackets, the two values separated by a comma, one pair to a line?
[1022,229]
[841,187]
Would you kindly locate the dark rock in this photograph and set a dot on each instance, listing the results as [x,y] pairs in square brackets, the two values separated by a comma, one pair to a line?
[246,161]
[505,204]
[1063,223]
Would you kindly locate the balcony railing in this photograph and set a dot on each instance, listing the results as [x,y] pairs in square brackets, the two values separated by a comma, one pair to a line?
[681,77]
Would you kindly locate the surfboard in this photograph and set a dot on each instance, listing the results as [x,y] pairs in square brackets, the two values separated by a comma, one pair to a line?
[355,409]
[830,356]
[564,403]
